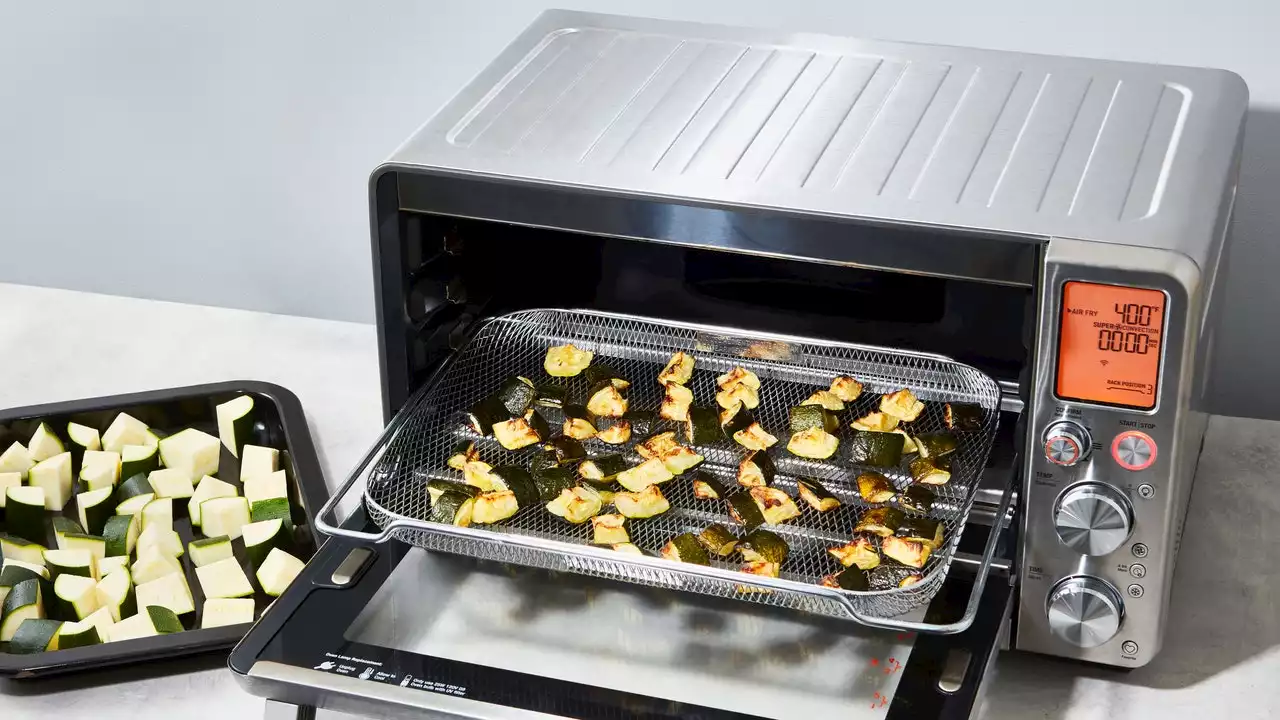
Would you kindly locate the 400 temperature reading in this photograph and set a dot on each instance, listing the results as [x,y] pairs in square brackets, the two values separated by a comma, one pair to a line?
[1122,341]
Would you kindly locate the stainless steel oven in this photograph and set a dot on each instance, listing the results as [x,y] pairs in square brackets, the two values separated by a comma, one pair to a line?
[1054,226]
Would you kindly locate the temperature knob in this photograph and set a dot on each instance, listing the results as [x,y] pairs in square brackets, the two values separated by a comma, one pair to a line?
[1085,611]
[1066,443]
[1092,518]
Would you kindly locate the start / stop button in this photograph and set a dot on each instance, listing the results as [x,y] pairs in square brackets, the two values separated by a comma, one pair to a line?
[1133,450]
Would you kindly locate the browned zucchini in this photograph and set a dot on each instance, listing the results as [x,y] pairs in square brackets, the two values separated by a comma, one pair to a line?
[566,361]
[678,370]
[613,430]
[565,449]
[846,388]
[923,530]
[806,417]
[657,445]
[681,459]
[718,540]
[908,552]
[917,498]
[875,422]
[875,488]
[933,445]
[926,472]
[756,469]
[578,422]
[848,579]
[606,399]
[707,487]
[521,432]
[860,552]
[577,504]
[755,437]
[816,495]
[875,449]
[609,529]
[814,443]
[463,452]
[686,548]
[643,504]
[825,399]
[675,403]
[761,544]
[882,521]
[775,505]
[649,472]
[743,509]
[901,404]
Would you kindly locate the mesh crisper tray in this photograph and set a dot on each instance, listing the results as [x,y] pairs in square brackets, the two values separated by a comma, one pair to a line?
[790,369]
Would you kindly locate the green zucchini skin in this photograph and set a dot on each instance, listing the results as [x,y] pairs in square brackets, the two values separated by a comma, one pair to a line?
[598,373]
[851,578]
[463,452]
[577,411]
[520,482]
[761,544]
[917,498]
[875,488]
[718,540]
[922,530]
[931,471]
[452,507]
[516,394]
[687,549]
[613,430]
[882,521]
[761,462]
[485,414]
[642,421]
[553,481]
[707,487]
[740,420]
[744,510]
[539,424]
[134,486]
[604,468]
[875,449]
[963,417]
[548,395]
[444,486]
[816,494]
[887,577]
[703,426]
[933,445]
[807,417]
[566,450]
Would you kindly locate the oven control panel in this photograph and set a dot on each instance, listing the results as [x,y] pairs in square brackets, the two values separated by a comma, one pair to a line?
[1106,493]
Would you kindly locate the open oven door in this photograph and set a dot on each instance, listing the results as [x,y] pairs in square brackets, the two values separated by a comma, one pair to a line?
[391,630]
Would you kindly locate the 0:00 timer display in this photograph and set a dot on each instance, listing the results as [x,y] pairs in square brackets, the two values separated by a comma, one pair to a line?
[1108,344]
[1125,340]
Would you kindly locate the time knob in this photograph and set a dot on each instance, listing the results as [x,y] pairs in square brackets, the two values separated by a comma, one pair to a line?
[1092,518]
[1085,611]
[1066,443]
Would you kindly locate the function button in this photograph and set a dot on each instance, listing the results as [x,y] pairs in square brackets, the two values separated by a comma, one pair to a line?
[1135,590]
[1146,491]
[1138,570]
[1139,550]
[1129,647]
[1133,450]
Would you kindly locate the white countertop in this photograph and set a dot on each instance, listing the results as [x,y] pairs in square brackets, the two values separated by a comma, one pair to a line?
[56,345]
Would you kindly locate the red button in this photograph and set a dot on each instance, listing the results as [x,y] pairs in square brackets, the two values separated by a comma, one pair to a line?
[1133,450]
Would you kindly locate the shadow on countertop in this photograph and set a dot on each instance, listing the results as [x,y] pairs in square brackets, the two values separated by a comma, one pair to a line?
[1225,608]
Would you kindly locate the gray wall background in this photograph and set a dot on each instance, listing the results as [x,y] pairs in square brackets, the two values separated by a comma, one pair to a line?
[217,152]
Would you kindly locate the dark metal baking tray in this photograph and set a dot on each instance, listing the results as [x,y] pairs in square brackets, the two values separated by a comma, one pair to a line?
[284,426]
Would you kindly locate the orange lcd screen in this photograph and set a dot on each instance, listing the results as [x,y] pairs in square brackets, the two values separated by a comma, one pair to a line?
[1109,344]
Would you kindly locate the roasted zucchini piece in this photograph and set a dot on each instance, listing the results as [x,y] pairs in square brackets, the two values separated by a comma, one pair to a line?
[851,578]
[485,414]
[603,468]
[859,552]
[875,488]
[824,399]
[548,395]
[901,404]
[736,419]
[925,471]
[480,474]
[577,505]
[738,376]
[707,487]
[627,548]
[578,422]
[675,405]
[909,580]
[908,442]
[963,417]
[678,370]
[933,445]
[814,443]
[642,421]
[492,507]
[739,394]
[923,530]
[566,361]
[613,430]
[605,399]
[889,576]
[517,432]
[816,495]
[609,529]
[649,472]
[462,453]
[761,544]
[744,511]
[703,426]
[917,498]
[643,504]
[755,437]
[516,394]
[846,388]
[566,450]
[606,495]
[681,459]
[908,552]
[517,480]
[718,540]
[807,417]
[552,481]
[882,521]
[658,445]
[436,488]
[453,508]
[876,449]
[875,422]
[686,548]
[601,372]
[775,505]
[756,469]
[763,568]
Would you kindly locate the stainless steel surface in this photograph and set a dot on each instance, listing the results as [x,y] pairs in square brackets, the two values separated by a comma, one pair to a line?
[350,565]
[1018,144]
[277,710]
[1173,425]
[1093,519]
[417,443]
[1067,443]
[1085,611]
[760,661]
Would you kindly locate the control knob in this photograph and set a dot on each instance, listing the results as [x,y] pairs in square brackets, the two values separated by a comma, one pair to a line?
[1066,443]
[1085,611]
[1092,518]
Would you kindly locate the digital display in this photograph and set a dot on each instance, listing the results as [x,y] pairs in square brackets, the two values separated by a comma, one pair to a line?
[1109,344]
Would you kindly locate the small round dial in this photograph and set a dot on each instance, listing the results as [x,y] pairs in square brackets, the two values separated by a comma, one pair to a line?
[1092,518]
[1085,611]
[1066,443]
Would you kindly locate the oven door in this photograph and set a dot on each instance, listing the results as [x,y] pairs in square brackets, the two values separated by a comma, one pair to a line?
[389,629]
